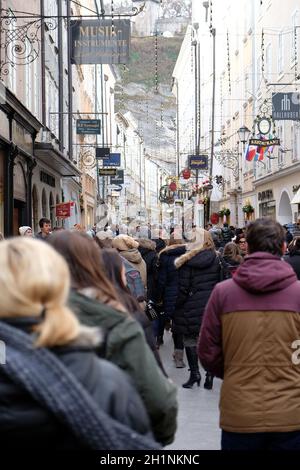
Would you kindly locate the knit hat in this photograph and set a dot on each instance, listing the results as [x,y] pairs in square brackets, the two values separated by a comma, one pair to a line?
[124,243]
[105,234]
[23,230]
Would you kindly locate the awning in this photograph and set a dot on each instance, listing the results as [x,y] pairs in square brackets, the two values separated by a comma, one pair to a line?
[296,198]
[55,159]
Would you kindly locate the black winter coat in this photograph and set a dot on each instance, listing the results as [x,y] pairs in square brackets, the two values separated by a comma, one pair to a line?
[294,261]
[167,279]
[147,248]
[24,424]
[199,272]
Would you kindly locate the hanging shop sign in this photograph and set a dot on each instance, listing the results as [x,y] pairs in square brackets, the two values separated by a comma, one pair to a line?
[264,142]
[63,210]
[100,41]
[102,153]
[113,160]
[118,179]
[286,106]
[107,171]
[198,162]
[88,126]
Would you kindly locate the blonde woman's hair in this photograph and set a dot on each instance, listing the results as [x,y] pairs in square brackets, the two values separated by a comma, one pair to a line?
[35,280]
[202,240]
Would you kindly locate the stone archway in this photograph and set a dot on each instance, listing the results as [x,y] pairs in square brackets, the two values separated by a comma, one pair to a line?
[44,204]
[35,210]
[285,215]
[52,210]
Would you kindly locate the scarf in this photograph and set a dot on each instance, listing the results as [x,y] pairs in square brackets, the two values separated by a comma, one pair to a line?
[54,387]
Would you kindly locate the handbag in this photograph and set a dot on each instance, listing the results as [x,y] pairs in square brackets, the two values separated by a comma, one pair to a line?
[153,311]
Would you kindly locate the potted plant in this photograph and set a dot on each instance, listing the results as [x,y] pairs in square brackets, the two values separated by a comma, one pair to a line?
[248,209]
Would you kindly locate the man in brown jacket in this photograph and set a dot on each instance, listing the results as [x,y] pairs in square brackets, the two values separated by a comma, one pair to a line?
[248,336]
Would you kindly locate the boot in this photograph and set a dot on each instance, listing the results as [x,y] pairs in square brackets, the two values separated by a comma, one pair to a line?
[178,358]
[208,384]
[192,357]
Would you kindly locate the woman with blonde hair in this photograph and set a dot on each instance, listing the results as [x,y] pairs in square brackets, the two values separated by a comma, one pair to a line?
[95,301]
[55,393]
[231,258]
[199,270]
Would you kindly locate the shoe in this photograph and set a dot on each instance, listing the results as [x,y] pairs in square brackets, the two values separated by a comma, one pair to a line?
[195,377]
[208,384]
[178,358]
[159,341]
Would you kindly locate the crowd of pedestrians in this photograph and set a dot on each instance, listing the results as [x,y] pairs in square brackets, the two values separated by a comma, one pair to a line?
[95,306]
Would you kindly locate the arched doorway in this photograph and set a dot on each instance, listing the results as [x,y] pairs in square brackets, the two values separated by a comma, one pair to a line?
[52,210]
[285,214]
[44,204]
[20,191]
[35,210]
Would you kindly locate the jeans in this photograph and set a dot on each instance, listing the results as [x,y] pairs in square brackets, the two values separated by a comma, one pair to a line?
[261,441]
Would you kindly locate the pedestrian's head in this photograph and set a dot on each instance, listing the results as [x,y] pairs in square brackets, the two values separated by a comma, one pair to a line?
[116,273]
[45,225]
[202,240]
[25,231]
[124,243]
[232,251]
[266,235]
[83,257]
[225,225]
[242,243]
[35,282]
[104,238]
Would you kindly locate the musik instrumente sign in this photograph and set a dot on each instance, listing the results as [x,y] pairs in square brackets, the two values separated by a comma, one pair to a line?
[88,126]
[100,41]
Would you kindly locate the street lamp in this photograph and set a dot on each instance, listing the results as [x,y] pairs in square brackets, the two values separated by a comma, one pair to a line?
[244,134]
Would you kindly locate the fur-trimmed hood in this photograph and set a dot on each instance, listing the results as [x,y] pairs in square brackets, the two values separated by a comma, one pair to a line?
[89,337]
[196,258]
[146,244]
[124,243]
[173,250]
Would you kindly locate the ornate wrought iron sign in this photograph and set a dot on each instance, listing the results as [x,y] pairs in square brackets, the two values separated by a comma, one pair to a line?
[20,42]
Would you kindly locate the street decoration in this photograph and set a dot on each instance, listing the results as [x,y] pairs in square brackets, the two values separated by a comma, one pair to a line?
[63,210]
[166,195]
[21,36]
[214,218]
[186,174]
[173,186]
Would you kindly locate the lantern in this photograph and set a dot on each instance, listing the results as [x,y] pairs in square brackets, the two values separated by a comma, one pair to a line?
[214,218]
[173,186]
[186,174]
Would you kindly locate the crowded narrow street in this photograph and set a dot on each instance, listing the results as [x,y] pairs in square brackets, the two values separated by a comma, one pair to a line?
[198,417]
[149,231]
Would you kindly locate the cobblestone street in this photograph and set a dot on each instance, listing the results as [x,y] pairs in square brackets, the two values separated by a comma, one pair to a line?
[198,427]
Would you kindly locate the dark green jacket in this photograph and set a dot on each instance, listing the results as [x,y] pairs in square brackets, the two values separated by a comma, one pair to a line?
[127,348]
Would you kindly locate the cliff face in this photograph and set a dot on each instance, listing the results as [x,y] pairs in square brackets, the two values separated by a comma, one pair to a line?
[148,95]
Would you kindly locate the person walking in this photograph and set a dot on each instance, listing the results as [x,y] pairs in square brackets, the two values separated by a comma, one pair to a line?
[55,393]
[95,301]
[147,248]
[231,258]
[45,226]
[128,249]
[116,273]
[293,256]
[248,338]
[25,231]
[199,270]
[227,234]
[167,291]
